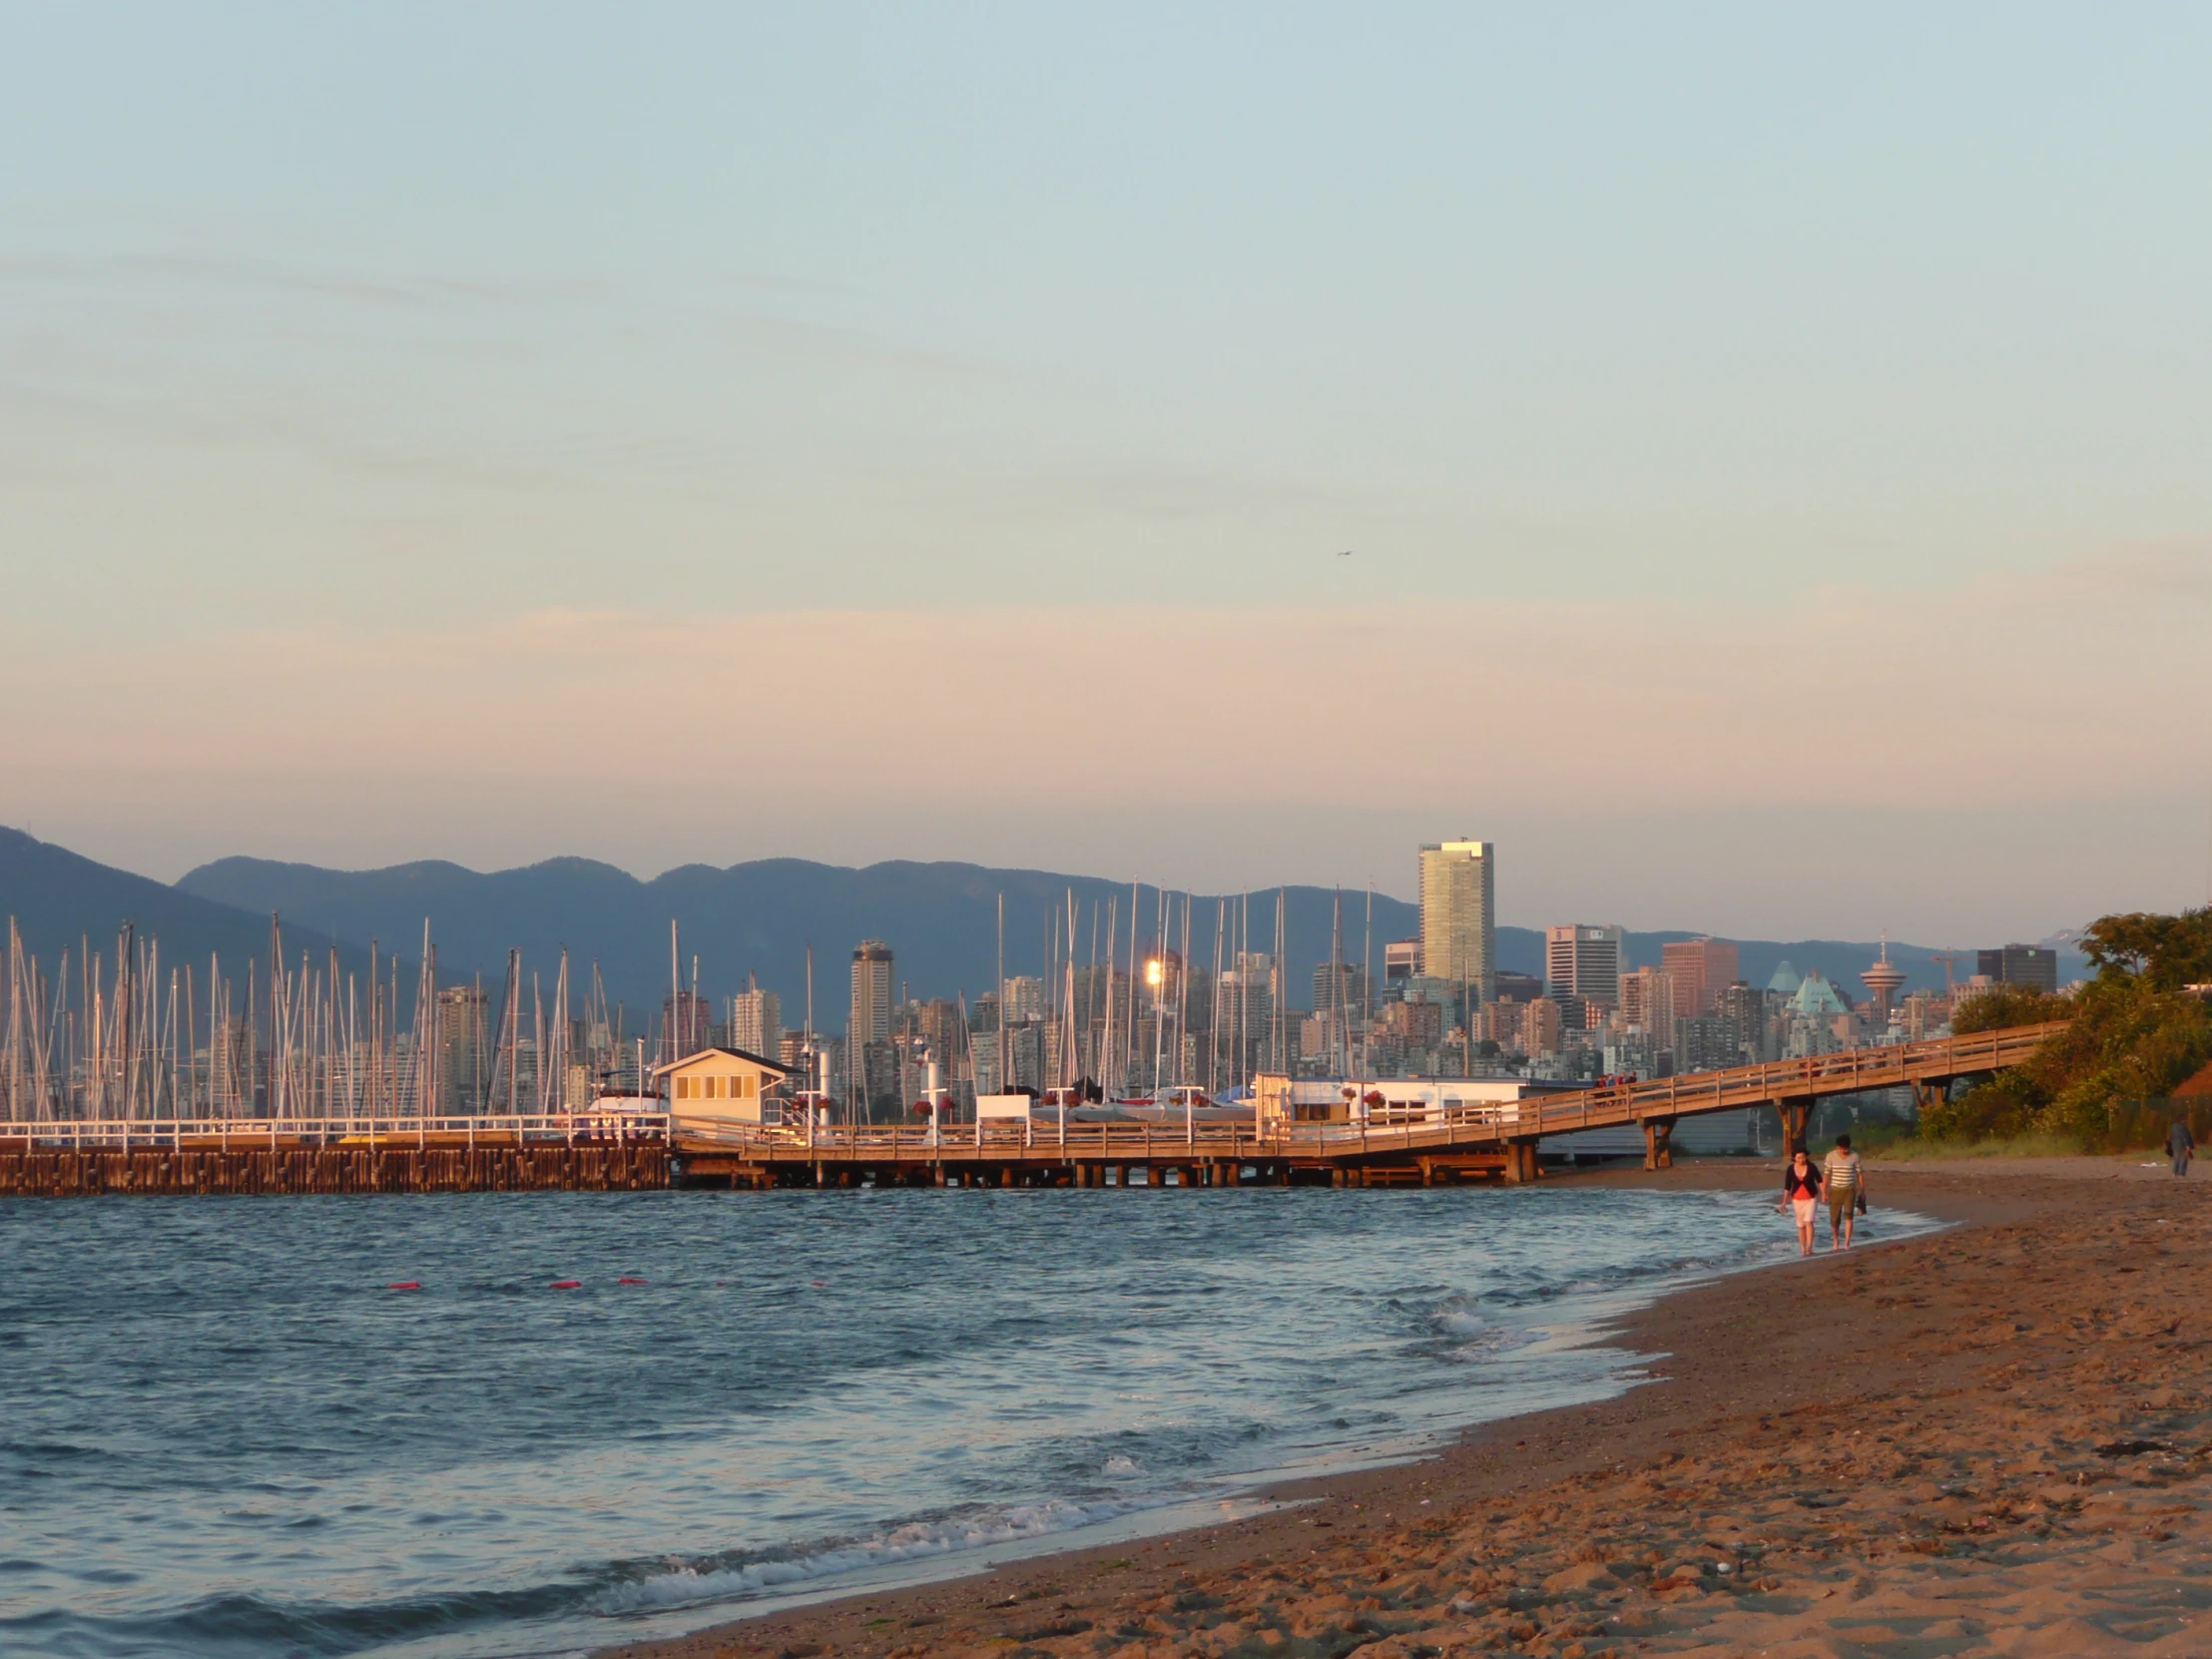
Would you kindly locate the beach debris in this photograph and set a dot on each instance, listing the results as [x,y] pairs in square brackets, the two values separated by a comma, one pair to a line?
[2131,1449]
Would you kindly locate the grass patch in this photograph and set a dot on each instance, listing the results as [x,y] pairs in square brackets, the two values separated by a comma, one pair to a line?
[1917,1148]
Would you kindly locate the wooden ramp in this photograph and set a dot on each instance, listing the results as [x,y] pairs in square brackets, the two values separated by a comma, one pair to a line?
[1486,1141]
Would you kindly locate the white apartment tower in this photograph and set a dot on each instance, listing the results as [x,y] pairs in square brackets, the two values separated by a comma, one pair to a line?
[1458,915]
[755,1020]
[872,995]
[1586,962]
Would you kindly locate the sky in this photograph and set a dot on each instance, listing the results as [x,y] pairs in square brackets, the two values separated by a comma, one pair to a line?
[1769,444]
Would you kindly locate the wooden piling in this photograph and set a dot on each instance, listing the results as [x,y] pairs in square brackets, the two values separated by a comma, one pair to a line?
[555,1167]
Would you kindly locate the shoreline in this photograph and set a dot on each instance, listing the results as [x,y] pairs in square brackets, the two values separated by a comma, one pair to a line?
[1723,1368]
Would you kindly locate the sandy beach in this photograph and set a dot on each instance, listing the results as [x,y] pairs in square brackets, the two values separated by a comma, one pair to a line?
[1989,1441]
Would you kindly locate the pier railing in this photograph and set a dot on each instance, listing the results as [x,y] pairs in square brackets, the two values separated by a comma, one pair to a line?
[1470,1126]
[1413,1129]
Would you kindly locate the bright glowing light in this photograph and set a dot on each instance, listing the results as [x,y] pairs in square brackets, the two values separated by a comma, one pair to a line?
[1152,972]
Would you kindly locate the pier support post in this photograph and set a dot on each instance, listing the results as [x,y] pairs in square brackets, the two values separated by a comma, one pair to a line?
[1658,1143]
[1930,1097]
[1795,1115]
[1521,1162]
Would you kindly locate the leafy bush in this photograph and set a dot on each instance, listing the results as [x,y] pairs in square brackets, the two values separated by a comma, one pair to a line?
[2136,1033]
[2004,1006]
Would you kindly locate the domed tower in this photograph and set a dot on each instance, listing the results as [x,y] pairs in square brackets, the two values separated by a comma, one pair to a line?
[1882,983]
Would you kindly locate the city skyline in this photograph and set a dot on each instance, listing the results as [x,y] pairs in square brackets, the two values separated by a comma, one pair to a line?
[1746,465]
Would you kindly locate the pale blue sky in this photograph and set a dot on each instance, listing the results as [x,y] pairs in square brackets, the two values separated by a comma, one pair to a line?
[355,321]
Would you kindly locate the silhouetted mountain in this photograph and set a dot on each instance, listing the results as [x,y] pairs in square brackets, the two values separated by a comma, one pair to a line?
[63,901]
[939,918]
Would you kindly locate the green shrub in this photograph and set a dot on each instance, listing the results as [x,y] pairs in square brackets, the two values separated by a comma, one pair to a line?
[2004,1006]
[2133,1035]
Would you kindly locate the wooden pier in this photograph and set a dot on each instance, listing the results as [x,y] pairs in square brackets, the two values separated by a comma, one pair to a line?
[249,1156]
[1480,1141]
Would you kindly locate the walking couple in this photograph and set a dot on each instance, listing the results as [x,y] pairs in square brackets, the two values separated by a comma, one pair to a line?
[1843,1182]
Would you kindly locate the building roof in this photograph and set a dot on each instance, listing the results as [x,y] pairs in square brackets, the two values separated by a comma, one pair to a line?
[724,1053]
[1816,999]
[2198,1084]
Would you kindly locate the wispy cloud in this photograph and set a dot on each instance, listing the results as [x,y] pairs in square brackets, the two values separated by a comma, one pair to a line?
[1275,706]
[211,274]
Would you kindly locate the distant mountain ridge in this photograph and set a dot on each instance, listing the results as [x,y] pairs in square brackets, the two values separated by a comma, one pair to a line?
[939,918]
[62,900]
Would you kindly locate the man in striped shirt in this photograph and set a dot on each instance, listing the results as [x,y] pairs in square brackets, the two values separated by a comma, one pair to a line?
[1842,1181]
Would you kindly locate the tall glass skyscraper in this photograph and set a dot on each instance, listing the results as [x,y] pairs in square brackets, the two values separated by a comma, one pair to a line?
[1458,915]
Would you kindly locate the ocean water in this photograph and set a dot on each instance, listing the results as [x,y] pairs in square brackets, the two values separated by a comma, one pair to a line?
[222,1433]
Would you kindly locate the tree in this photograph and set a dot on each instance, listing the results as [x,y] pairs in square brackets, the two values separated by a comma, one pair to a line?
[2167,951]
[2002,1007]
[2133,1033]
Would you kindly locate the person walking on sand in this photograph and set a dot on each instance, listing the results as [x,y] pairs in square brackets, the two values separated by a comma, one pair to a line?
[1844,1181]
[2179,1144]
[1800,1191]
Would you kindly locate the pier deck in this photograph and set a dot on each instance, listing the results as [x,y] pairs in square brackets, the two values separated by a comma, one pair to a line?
[1477,1141]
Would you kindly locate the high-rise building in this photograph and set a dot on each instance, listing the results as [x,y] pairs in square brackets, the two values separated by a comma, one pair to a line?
[1745,1007]
[755,1020]
[1024,1000]
[463,1069]
[1401,960]
[2023,964]
[1586,962]
[1521,987]
[872,995]
[1540,1028]
[1248,997]
[1649,1001]
[686,1023]
[1458,915]
[1701,969]
[1343,987]
[1706,1043]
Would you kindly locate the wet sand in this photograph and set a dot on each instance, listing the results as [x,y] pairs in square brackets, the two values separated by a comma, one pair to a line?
[1993,1440]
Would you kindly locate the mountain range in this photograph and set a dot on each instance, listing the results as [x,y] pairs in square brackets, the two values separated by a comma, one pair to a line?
[942,921]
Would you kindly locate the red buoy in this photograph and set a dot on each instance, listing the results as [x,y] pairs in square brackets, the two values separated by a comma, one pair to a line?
[405,1285]
[566,1285]
[629,1282]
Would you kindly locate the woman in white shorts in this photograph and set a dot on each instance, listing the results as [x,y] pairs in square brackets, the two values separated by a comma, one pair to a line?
[1801,1192]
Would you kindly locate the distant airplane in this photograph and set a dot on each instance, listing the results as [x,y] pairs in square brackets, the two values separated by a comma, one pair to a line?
[1346,554]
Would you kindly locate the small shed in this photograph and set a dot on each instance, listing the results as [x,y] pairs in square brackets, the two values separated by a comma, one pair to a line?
[723,1083]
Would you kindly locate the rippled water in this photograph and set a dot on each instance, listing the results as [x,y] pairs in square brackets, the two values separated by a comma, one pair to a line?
[221,1434]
